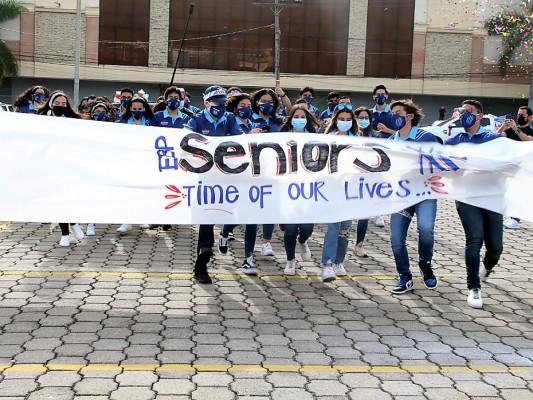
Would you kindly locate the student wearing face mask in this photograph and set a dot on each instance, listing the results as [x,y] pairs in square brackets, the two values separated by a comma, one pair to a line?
[187,102]
[171,116]
[299,120]
[364,120]
[138,112]
[480,225]
[59,106]
[265,105]
[308,94]
[214,120]
[30,101]
[126,94]
[381,113]
[343,123]
[519,130]
[333,101]
[405,117]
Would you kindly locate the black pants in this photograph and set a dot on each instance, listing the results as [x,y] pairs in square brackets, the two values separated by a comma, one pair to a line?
[64,228]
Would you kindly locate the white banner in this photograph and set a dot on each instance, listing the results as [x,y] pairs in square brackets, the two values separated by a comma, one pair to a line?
[58,169]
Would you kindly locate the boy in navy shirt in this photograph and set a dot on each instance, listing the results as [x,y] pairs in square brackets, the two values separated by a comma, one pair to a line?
[213,121]
[171,117]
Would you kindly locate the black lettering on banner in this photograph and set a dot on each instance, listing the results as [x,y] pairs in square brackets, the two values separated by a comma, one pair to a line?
[200,153]
[230,149]
[309,161]
[256,150]
[383,164]
[334,157]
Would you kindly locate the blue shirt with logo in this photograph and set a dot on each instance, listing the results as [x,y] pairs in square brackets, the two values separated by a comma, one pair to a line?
[130,121]
[204,124]
[260,123]
[164,119]
[481,136]
[384,117]
[416,135]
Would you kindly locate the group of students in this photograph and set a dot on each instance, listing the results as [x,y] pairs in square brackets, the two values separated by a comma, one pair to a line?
[233,112]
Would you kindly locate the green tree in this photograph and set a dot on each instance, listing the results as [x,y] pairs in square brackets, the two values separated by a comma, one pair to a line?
[515,26]
[9,9]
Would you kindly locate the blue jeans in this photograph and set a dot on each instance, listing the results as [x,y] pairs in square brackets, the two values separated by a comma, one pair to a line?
[293,231]
[426,213]
[206,236]
[268,230]
[480,226]
[250,234]
[336,242]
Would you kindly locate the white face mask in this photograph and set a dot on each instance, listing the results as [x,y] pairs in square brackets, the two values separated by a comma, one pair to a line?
[363,123]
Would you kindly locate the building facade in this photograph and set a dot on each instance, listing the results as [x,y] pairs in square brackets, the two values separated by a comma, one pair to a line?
[414,47]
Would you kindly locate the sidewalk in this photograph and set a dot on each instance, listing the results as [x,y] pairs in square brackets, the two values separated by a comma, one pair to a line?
[119,317]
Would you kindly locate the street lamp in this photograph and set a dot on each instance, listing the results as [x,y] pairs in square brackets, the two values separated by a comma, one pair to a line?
[277,6]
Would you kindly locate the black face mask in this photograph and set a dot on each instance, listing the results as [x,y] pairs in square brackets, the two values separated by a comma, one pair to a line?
[59,111]
[521,120]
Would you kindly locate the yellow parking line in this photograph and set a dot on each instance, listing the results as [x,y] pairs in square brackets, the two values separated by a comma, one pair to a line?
[173,275]
[377,369]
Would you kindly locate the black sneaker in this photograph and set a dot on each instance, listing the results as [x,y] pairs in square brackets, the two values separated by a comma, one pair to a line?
[200,266]
[167,227]
[248,268]
[430,281]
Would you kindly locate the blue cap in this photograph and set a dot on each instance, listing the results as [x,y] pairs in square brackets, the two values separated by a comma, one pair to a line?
[216,93]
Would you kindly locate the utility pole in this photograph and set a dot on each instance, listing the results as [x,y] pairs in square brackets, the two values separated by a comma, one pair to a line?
[277,39]
[77,55]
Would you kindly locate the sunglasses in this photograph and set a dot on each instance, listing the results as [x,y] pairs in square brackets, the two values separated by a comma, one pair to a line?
[341,107]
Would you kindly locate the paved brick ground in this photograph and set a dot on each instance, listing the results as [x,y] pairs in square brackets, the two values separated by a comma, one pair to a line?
[119,317]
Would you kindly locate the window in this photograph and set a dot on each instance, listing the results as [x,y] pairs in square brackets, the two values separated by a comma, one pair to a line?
[124,32]
[314,37]
[389,38]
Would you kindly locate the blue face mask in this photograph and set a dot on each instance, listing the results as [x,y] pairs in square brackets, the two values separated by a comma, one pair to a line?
[186,104]
[381,100]
[299,123]
[217,111]
[468,120]
[38,97]
[332,105]
[173,104]
[266,108]
[137,114]
[99,117]
[124,103]
[244,113]
[398,121]
[344,126]
[309,99]
[363,123]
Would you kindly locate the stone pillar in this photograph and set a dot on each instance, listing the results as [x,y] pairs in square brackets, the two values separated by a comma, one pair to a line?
[159,31]
[357,38]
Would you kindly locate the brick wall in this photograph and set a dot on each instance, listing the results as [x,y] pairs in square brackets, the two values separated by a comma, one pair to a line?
[159,29]
[357,37]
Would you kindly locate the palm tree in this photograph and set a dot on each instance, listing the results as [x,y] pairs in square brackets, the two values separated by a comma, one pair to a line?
[515,26]
[9,9]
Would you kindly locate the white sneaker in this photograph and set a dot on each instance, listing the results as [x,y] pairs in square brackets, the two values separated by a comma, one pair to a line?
[65,241]
[144,226]
[380,221]
[290,268]
[124,228]
[339,269]
[474,298]
[90,230]
[484,273]
[328,274]
[304,251]
[511,223]
[266,249]
[76,230]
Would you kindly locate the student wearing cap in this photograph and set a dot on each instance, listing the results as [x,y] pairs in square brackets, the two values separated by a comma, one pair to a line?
[214,120]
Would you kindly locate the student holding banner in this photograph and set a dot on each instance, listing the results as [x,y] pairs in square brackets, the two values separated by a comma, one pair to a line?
[405,117]
[343,123]
[59,106]
[213,121]
[480,225]
[300,120]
